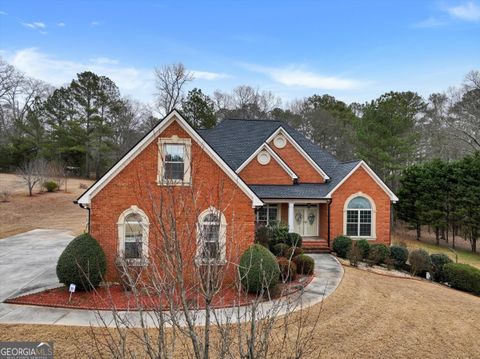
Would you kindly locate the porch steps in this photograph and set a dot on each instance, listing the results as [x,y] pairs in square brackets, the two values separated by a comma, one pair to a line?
[315,246]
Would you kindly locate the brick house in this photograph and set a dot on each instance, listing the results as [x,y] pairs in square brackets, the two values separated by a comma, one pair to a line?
[211,187]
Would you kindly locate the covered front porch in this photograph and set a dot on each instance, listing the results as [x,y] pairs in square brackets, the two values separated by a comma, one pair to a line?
[309,218]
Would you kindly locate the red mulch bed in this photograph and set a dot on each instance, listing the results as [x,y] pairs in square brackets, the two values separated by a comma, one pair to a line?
[106,298]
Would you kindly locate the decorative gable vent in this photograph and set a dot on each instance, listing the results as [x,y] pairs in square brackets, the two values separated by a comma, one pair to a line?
[280,141]
[263,158]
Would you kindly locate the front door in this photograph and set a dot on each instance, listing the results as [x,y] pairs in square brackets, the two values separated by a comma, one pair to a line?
[306,221]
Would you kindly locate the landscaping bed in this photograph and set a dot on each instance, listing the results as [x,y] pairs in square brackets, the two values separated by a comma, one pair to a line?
[115,297]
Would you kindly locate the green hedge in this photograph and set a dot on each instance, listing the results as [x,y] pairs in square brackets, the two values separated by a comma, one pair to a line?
[50,186]
[341,246]
[420,262]
[279,248]
[279,234]
[258,269]
[294,240]
[288,269]
[400,256]
[82,263]
[364,246]
[378,253]
[305,264]
[292,252]
[463,277]
[263,236]
[438,261]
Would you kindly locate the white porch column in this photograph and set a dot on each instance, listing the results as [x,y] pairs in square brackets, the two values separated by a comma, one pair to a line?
[290,217]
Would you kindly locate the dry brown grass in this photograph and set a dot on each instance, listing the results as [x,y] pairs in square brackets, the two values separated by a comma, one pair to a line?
[44,210]
[369,316]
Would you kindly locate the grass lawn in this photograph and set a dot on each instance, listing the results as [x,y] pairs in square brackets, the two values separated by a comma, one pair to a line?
[368,316]
[464,256]
[43,210]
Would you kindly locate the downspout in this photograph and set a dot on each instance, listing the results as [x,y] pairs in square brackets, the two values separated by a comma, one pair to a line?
[88,218]
[328,216]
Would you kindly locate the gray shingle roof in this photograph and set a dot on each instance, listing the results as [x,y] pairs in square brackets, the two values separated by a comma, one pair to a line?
[236,140]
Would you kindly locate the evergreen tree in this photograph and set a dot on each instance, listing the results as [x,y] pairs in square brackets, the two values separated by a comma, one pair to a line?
[199,109]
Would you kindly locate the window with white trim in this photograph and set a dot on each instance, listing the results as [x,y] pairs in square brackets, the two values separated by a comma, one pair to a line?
[359,217]
[133,226]
[267,215]
[174,161]
[211,236]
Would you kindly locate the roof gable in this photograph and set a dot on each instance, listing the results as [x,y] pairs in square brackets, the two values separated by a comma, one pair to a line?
[174,115]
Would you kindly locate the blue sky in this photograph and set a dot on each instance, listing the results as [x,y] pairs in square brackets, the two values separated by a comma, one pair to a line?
[354,50]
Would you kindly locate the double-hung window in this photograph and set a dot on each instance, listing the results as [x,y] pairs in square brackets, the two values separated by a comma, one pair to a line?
[174,161]
[133,227]
[211,236]
[359,217]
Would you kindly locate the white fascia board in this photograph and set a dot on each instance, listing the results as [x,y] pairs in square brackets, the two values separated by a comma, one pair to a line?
[273,154]
[372,174]
[299,149]
[86,198]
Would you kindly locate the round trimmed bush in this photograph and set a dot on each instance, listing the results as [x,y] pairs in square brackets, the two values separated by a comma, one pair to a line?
[288,269]
[279,248]
[462,276]
[378,253]
[364,246]
[292,252]
[50,186]
[305,264]
[400,256]
[82,263]
[258,269]
[438,261]
[294,240]
[262,236]
[341,245]
[420,262]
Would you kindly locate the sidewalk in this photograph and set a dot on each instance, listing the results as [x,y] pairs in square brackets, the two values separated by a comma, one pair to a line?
[328,274]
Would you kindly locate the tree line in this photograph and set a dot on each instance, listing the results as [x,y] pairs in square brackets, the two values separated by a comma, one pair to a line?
[88,124]
[444,196]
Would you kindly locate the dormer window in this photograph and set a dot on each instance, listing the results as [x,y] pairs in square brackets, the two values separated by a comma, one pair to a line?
[174,156]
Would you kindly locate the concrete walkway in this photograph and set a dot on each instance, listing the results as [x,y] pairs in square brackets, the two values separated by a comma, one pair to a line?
[328,274]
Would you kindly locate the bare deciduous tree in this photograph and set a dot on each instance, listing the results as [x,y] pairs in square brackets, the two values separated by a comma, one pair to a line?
[177,297]
[170,81]
[32,173]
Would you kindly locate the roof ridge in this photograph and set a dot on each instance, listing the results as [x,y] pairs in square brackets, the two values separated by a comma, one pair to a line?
[250,120]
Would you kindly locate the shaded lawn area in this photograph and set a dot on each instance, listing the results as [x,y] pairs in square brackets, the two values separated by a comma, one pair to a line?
[368,316]
[464,256]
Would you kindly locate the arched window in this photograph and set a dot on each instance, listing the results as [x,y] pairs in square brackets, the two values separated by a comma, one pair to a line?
[133,226]
[211,236]
[360,217]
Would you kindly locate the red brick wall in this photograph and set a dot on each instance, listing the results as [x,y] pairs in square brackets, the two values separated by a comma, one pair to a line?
[271,173]
[360,181]
[294,159]
[136,185]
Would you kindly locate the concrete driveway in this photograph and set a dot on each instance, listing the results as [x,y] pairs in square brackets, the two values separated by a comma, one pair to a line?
[28,261]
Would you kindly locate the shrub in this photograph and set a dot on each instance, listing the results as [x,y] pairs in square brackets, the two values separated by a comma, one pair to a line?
[258,269]
[438,261]
[378,253]
[292,252]
[294,240]
[279,248]
[364,246]
[462,276]
[288,269]
[399,255]
[50,186]
[262,236]
[419,262]
[355,254]
[305,264]
[82,263]
[279,234]
[341,245]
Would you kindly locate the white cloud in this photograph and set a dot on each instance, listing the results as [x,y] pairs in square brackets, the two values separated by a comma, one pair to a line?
[295,75]
[94,23]
[137,83]
[61,24]
[468,11]
[3,13]
[431,22]
[206,75]
[37,25]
